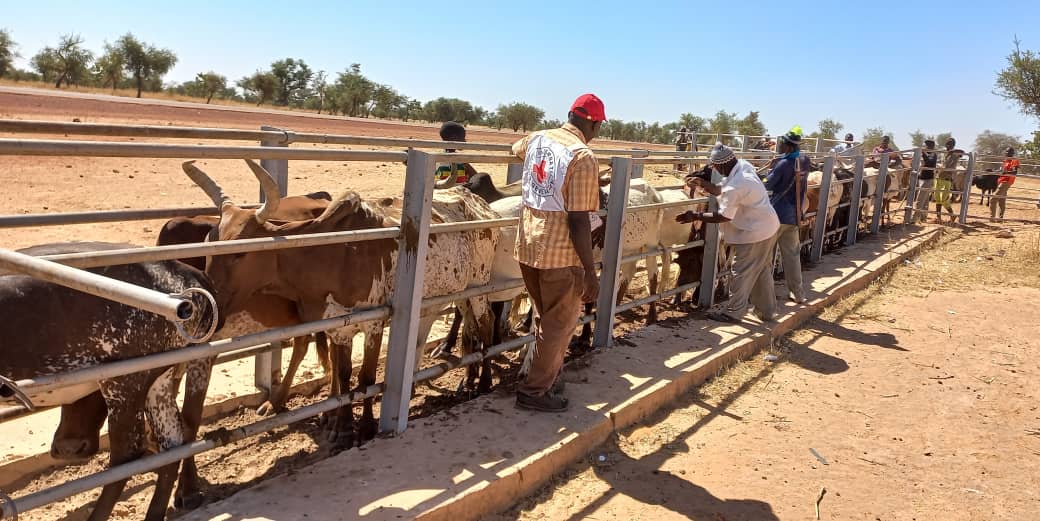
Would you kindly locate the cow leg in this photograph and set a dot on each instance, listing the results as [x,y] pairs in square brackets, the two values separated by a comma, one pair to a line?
[189,491]
[484,322]
[583,342]
[125,397]
[652,280]
[368,427]
[341,434]
[168,426]
[444,348]
[280,393]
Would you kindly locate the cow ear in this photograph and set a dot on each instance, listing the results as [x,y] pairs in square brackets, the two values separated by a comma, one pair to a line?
[386,202]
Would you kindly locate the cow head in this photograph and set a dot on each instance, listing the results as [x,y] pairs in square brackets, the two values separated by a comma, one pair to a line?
[238,277]
[79,431]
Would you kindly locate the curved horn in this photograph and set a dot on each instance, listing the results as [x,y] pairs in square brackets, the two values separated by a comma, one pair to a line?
[207,184]
[272,196]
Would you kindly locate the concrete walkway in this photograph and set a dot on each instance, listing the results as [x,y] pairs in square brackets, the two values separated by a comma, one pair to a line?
[481,457]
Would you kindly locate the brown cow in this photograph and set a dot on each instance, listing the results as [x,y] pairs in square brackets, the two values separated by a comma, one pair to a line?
[328,281]
[50,329]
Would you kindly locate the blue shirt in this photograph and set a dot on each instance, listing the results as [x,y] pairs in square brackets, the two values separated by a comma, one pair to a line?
[784,195]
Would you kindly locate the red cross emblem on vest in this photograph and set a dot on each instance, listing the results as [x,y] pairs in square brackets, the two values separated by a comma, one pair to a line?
[539,171]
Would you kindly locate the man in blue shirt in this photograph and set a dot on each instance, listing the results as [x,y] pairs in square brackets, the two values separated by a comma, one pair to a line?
[787,184]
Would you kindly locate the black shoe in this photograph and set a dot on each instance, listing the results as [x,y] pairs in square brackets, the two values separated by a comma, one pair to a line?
[548,402]
[719,316]
[558,386]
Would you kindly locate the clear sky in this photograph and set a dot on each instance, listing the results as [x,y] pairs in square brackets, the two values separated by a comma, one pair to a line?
[900,65]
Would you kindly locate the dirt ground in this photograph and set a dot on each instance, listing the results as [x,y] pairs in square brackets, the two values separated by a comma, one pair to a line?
[39,185]
[914,400]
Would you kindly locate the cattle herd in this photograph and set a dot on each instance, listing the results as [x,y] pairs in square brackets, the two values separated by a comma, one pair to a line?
[49,329]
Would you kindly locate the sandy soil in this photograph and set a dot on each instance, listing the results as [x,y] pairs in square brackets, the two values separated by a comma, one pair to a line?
[914,400]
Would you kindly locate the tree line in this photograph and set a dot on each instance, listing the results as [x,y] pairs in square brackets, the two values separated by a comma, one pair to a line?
[129,63]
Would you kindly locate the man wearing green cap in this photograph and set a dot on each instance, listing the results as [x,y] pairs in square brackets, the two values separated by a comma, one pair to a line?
[749,225]
[787,184]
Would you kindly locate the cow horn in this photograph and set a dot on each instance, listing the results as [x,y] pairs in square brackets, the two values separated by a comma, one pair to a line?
[207,184]
[272,196]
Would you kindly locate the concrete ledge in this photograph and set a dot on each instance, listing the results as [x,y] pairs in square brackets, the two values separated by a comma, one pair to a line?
[483,456]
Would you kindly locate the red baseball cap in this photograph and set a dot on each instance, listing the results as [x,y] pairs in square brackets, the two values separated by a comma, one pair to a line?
[590,107]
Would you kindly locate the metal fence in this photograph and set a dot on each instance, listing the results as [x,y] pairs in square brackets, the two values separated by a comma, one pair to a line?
[406,301]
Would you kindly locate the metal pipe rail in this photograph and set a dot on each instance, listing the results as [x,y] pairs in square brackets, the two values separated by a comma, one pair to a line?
[159,253]
[275,136]
[657,296]
[25,147]
[174,308]
[103,216]
[46,383]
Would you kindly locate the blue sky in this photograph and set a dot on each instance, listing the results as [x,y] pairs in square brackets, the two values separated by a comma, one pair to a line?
[900,65]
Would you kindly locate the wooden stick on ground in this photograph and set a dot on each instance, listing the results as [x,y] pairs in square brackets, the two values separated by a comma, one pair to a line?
[823,490]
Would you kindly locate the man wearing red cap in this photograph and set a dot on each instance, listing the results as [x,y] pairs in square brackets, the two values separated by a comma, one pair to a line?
[554,242]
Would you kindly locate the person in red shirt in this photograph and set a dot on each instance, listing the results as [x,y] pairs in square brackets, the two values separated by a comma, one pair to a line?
[1009,170]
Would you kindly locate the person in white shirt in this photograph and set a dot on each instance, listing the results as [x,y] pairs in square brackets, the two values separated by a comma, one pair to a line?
[842,148]
[749,225]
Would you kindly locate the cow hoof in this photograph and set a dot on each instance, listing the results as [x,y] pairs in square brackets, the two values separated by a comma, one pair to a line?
[342,440]
[266,409]
[443,350]
[367,429]
[189,501]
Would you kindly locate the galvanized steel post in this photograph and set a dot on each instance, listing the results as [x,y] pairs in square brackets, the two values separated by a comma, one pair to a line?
[710,259]
[637,169]
[880,192]
[406,301]
[854,201]
[967,188]
[816,252]
[514,172]
[912,188]
[267,367]
[603,333]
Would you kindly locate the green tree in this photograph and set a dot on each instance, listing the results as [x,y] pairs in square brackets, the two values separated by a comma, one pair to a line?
[108,69]
[990,143]
[917,138]
[144,62]
[259,87]
[751,125]
[452,109]
[67,63]
[294,78]
[693,123]
[520,116]
[319,91]
[1020,81]
[723,122]
[351,93]
[940,138]
[872,138]
[828,129]
[210,84]
[7,52]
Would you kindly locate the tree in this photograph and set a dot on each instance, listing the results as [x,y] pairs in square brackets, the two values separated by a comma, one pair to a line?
[940,139]
[351,93]
[67,63]
[990,143]
[144,62]
[294,77]
[210,84]
[1020,81]
[872,138]
[108,69]
[828,129]
[750,125]
[917,138]
[259,87]
[723,122]
[319,90]
[453,109]
[7,52]
[520,116]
